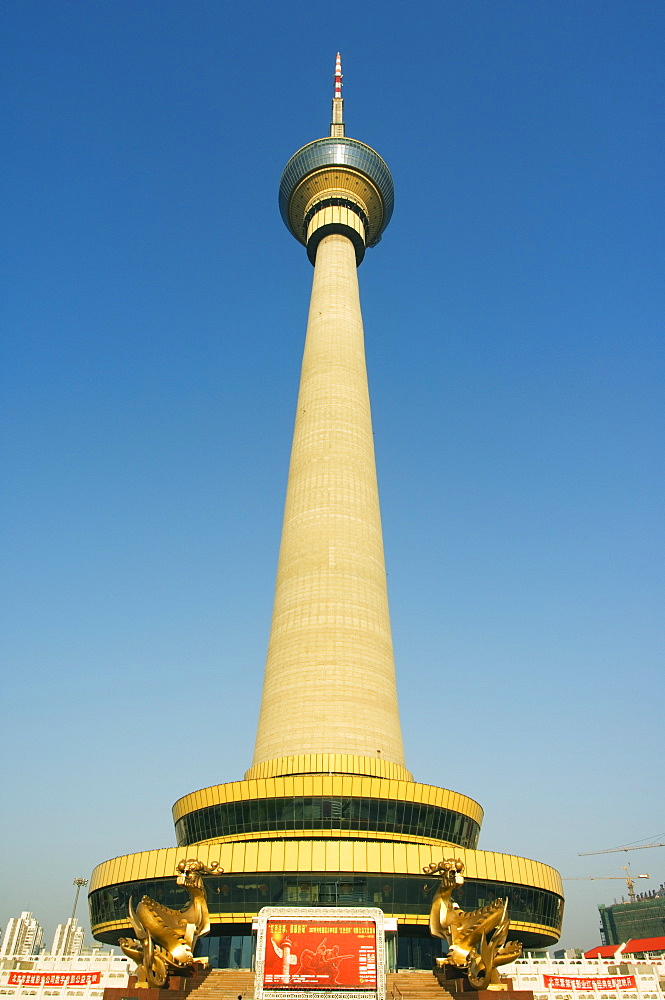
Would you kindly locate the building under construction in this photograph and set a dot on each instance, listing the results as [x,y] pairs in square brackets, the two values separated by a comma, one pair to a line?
[642,918]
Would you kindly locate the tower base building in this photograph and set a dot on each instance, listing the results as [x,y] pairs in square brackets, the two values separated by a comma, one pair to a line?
[328,814]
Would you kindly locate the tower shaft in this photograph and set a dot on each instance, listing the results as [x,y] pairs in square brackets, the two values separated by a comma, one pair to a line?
[330,680]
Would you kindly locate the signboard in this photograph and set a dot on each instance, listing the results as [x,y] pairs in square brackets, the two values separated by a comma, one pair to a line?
[54,978]
[315,954]
[592,983]
[320,953]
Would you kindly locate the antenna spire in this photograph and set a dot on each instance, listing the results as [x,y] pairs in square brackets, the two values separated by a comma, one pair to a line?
[337,124]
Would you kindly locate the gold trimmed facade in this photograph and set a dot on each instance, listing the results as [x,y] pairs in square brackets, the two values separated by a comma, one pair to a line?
[327,856]
[329,785]
[307,859]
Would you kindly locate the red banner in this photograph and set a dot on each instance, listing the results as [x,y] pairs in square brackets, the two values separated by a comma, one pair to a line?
[54,978]
[594,983]
[320,954]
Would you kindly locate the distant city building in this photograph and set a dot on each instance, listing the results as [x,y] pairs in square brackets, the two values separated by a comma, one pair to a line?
[645,918]
[24,936]
[68,938]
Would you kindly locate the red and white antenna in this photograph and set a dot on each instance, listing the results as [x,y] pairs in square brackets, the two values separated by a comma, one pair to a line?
[338,76]
[337,123]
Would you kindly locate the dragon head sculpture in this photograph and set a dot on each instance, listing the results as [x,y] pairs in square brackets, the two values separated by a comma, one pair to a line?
[191,871]
[450,870]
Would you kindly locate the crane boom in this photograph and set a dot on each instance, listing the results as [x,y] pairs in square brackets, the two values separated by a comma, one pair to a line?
[613,850]
[627,878]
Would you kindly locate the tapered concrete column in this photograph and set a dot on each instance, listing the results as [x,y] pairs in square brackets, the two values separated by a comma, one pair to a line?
[330,680]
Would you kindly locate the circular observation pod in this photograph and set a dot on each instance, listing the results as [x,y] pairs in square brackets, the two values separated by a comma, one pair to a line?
[336,185]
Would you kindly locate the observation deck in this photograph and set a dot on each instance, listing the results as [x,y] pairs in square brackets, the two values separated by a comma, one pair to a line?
[336,185]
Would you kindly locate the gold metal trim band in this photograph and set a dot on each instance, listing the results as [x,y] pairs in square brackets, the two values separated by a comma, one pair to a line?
[328,763]
[360,857]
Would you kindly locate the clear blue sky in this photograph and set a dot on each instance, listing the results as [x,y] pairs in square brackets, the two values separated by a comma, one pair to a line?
[153,316]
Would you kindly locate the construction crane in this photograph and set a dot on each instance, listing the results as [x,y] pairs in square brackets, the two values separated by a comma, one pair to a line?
[627,878]
[613,850]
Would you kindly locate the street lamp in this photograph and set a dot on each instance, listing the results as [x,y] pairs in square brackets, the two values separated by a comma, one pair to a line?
[79,883]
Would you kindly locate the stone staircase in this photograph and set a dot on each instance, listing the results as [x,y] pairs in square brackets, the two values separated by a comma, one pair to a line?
[221,984]
[229,984]
[415,985]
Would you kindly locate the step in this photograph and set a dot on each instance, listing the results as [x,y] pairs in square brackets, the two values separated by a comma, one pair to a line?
[229,984]
[412,984]
[223,984]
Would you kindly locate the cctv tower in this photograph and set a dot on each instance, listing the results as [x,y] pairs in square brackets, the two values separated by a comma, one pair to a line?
[328,814]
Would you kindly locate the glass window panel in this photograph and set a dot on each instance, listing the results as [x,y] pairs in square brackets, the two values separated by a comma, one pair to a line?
[382,815]
[402,894]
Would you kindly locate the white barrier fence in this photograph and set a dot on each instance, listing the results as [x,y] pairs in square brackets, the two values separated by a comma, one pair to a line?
[83,976]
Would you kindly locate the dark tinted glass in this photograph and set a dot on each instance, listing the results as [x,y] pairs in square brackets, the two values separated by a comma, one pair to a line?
[318,813]
[406,894]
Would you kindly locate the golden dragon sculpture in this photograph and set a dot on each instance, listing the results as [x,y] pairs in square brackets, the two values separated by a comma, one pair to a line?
[165,938]
[469,948]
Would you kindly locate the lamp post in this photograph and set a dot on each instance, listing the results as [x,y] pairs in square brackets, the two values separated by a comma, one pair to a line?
[79,883]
